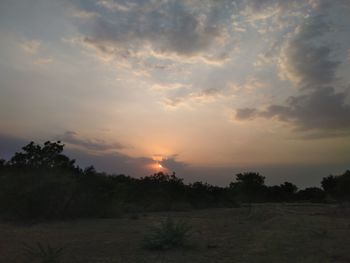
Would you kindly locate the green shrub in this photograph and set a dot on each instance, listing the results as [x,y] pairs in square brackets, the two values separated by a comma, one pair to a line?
[170,234]
[44,253]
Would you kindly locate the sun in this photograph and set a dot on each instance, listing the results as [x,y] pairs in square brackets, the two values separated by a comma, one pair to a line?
[160,166]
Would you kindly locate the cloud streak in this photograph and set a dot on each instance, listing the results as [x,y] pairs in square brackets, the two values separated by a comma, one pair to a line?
[73,139]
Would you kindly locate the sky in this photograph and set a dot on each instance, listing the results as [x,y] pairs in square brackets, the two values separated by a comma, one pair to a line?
[205,88]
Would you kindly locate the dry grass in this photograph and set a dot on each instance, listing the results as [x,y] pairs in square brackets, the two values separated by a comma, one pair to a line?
[269,233]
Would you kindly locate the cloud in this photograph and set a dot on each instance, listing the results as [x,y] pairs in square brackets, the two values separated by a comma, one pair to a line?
[175,27]
[323,112]
[34,48]
[31,46]
[114,163]
[115,6]
[176,30]
[168,164]
[261,10]
[170,86]
[316,113]
[271,16]
[322,109]
[73,139]
[188,97]
[246,113]
[325,4]
[43,61]
[82,14]
[307,64]
[311,66]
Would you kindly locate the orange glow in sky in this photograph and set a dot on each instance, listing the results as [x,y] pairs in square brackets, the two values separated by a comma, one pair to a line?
[156,167]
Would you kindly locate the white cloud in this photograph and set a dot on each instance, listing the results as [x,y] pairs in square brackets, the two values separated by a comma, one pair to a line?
[43,61]
[83,14]
[31,46]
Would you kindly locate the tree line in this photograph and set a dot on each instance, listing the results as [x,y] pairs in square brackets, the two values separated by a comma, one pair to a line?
[40,182]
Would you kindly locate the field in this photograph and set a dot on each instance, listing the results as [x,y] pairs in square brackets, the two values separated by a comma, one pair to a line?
[263,233]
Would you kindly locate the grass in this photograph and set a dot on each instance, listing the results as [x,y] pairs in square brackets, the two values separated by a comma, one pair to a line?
[289,233]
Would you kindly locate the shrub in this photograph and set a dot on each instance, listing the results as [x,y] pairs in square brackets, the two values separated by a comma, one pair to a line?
[44,253]
[170,234]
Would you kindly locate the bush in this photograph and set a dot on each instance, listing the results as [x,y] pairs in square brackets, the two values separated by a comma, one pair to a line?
[44,253]
[170,234]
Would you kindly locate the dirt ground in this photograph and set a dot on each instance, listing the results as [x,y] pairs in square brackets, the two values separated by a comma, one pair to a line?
[265,233]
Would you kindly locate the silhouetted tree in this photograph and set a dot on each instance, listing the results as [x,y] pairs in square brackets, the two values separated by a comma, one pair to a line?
[338,187]
[41,182]
[37,182]
[311,194]
[343,186]
[249,186]
[49,156]
[159,191]
[288,191]
[282,193]
[329,185]
[199,195]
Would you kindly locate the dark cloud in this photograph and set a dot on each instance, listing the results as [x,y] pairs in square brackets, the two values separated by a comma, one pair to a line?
[73,139]
[114,163]
[125,28]
[172,164]
[246,113]
[313,26]
[181,27]
[309,64]
[322,109]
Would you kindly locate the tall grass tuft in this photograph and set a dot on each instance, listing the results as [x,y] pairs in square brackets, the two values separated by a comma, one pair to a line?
[43,253]
[170,234]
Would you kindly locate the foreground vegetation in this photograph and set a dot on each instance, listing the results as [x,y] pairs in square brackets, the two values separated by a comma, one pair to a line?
[41,183]
[268,233]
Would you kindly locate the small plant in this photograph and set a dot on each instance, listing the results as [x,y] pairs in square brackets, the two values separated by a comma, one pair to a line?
[320,233]
[170,234]
[44,253]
